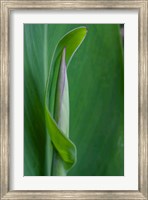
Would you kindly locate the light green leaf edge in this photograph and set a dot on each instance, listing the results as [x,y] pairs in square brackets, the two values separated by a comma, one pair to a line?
[64,146]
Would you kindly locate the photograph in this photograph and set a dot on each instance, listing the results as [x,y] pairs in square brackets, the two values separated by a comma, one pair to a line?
[73,99]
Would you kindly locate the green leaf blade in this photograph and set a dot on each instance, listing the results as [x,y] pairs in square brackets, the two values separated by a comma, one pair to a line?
[63,145]
[35,137]
[58,96]
[71,41]
[96,78]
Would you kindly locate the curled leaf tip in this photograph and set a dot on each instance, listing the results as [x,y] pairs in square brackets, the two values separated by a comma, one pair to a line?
[57,112]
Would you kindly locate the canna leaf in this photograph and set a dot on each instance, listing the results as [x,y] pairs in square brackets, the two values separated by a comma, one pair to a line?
[71,41]
[57,102]
[96,99]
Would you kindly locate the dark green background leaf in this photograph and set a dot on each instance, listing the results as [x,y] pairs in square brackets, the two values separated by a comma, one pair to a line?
[96,87]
